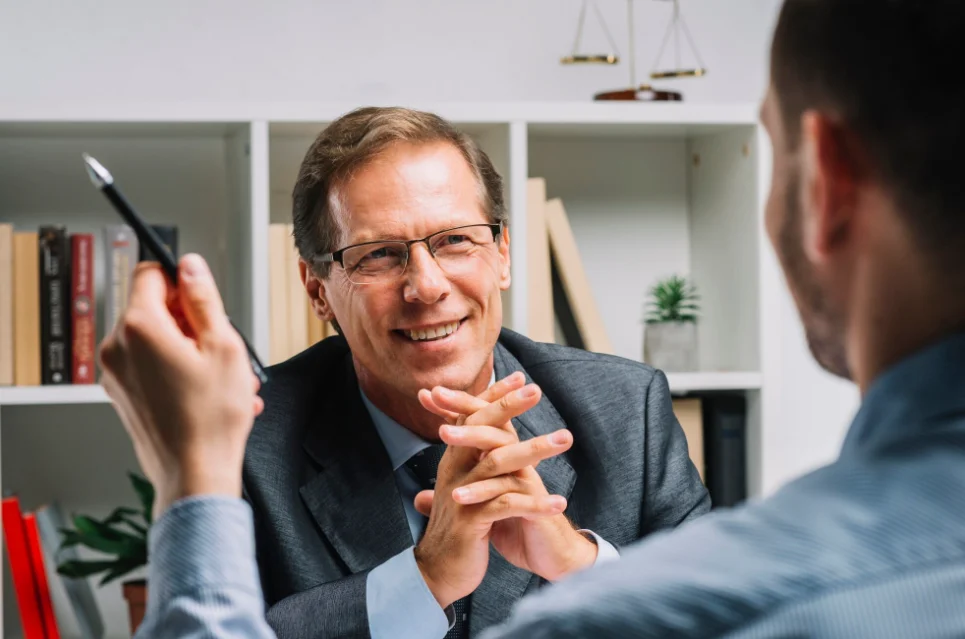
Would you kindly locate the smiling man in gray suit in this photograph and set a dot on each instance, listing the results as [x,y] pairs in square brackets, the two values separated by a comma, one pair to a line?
[365,523]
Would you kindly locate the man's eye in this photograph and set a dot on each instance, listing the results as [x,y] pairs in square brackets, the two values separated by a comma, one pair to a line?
[376,254]
[453,242]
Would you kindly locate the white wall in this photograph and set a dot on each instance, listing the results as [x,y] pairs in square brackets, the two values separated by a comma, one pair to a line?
[358,50]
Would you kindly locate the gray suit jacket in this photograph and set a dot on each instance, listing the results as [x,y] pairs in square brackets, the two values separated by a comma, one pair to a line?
[327,509]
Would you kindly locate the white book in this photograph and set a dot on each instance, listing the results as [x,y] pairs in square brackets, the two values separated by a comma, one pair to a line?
[50,521]
[122,257]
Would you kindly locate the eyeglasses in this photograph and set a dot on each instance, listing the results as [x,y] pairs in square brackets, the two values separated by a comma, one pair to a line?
[379,262]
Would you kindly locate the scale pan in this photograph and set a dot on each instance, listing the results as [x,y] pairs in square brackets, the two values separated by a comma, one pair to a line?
[679,73]
[601,58]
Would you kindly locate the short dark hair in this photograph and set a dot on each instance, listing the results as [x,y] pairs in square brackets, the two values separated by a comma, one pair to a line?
[890,70]
[353,140]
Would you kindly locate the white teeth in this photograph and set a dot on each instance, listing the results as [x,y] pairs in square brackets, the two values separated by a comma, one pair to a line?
[434,332]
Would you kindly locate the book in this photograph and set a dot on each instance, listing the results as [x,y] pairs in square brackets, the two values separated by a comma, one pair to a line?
[6,304]
[122,252]
[541,326]
[576,302]
[688,414]
[40,576]
[725,440]
[169,237]
[297,298]
[82,308]
[54,312]
[21,568]
[50,521]
[26,309]
[279,345]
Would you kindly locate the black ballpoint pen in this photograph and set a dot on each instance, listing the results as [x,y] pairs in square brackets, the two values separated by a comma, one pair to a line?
[103,180]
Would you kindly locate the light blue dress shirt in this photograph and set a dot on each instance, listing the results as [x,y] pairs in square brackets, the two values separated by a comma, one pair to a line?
[872,545]
[396,595]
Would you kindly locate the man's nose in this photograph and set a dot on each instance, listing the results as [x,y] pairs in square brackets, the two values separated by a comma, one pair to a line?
[425,281]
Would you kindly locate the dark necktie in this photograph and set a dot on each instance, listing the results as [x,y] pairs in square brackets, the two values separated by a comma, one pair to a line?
[424,465]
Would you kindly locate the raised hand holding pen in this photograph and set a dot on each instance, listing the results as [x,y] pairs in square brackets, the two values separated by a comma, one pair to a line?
[179,377]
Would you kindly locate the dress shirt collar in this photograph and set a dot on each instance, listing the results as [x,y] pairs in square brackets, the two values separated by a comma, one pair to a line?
[913,396]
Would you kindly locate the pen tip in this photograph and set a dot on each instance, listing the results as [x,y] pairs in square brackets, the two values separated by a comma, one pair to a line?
[96,171]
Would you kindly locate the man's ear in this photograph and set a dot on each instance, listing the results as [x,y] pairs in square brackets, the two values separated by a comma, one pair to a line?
[505,271]
[831,171]
[315,287]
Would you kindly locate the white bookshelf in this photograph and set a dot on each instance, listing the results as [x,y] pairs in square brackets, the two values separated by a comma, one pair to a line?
[39,396]
[682,383]
[52,395]
[650,189]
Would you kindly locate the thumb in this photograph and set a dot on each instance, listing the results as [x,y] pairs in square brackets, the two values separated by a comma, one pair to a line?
[423,502]
[199,296]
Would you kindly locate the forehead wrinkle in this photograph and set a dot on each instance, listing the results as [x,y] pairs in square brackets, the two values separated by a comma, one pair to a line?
[414,193]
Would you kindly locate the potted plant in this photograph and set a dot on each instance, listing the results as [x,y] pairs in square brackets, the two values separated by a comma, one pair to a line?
[123,537]
[670,338]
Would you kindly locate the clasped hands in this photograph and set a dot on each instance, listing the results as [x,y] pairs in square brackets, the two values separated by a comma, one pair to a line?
[488,491]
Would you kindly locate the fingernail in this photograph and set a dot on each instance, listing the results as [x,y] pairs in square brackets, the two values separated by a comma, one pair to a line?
[528,392]
[557,502]
[461,494]
[193,266]
[560,437]
[445,392]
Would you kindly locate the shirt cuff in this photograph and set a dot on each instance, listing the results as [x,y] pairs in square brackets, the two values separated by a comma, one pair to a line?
[605,550]
[400,604]
[202,544]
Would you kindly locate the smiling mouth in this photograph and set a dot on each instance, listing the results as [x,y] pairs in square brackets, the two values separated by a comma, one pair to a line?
[431,333]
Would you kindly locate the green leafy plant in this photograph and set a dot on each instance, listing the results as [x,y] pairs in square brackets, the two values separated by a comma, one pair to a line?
[122,535]
[673,300]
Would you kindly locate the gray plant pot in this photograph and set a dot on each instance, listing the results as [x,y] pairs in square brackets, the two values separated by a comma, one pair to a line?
[671,346]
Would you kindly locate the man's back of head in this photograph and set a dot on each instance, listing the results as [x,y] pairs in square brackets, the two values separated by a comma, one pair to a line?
[867,208]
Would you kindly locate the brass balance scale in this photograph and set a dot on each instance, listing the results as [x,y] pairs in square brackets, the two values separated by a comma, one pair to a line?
[635,91]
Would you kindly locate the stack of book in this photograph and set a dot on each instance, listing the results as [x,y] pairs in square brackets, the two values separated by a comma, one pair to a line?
[715,424]
[48,299]
[33,545]
[293,325]
[562,308]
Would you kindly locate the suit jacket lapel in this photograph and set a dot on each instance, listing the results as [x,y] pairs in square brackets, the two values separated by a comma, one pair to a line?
[504,584]
[353,496]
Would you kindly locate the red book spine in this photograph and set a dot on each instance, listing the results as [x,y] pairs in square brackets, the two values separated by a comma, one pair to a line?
[24,584]
[82,305]
[40,574]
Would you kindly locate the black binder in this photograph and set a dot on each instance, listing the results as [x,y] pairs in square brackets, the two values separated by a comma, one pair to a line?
[725,448]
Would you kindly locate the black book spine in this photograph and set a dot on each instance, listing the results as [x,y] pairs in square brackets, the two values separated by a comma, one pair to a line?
[725,444]
[54,305]
[169,237]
